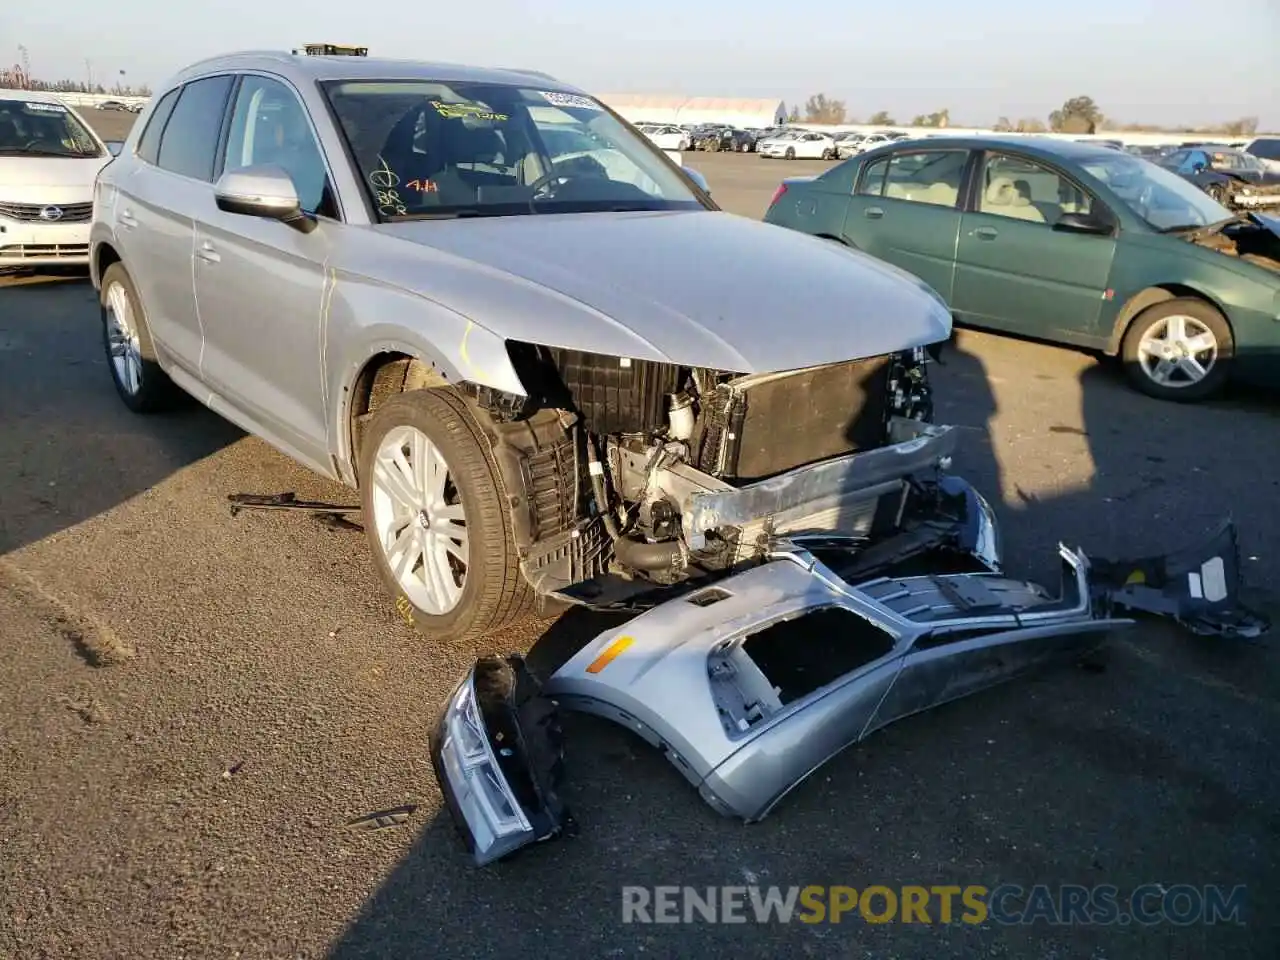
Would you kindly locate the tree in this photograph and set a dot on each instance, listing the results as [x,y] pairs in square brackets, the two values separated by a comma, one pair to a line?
[1244,127]
[1077,115]
[939,118]
[818,109]
[793,116]
[1002,125]
[881,118]
[1029,125]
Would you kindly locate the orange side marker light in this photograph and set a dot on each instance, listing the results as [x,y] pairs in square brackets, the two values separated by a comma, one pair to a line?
[610,653]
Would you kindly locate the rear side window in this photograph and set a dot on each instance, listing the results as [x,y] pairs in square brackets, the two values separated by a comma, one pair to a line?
[190,141]
[872,184]
[1268,148]
[149,142]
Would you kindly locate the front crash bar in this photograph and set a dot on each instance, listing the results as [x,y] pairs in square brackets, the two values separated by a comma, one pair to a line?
[1198,586]
[830,487]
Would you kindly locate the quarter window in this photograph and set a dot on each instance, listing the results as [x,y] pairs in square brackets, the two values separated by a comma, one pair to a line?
[190,140]
[270,126]
[1022,189]
[149,142]
[921,176]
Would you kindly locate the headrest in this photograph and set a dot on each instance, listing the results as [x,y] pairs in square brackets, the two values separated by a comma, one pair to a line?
[1001,191]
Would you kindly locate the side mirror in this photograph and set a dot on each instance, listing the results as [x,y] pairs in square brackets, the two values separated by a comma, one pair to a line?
[262,191]
[697,178]
[1197,167]
[114,147]
[1082,223]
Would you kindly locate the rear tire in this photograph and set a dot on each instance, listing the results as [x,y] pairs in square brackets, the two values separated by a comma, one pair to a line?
[791,153]
[1179,350]
[444,523]
[131,355]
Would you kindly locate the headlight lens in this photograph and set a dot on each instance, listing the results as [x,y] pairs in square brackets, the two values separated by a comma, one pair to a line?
[483,796]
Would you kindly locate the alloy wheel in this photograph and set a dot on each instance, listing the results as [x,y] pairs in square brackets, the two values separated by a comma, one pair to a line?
[1177,352]
[419,520]
[122,340]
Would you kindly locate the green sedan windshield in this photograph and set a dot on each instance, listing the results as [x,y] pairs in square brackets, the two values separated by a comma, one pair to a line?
[1160,197]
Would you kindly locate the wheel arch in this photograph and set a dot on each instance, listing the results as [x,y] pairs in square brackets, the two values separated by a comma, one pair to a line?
[386,373]
[1149,297]
[104,255]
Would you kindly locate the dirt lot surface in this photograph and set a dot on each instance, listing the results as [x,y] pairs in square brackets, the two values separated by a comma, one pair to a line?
[198,714]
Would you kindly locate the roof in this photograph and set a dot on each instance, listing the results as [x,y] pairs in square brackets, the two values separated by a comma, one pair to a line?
[1044,146]
[31,96]
[711,104]
[301,67]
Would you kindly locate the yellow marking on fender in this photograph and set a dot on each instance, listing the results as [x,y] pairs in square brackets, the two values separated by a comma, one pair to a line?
[462,349]
[1136,577]
[611,653]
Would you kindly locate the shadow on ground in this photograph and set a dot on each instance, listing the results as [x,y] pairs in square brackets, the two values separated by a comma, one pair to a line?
[56,393]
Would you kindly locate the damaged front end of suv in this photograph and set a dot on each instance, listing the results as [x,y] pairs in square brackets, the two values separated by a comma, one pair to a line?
[630,477]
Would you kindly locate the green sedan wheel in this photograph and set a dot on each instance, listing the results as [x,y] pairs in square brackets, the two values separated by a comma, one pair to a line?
[1180,349]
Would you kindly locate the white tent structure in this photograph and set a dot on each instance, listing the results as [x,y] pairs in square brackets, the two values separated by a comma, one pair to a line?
[642,108]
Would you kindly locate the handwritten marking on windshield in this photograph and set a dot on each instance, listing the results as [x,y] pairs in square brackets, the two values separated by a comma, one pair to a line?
[383,177]
[456,111]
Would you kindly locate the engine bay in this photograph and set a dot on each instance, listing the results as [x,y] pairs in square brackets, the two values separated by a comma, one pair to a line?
[605,457]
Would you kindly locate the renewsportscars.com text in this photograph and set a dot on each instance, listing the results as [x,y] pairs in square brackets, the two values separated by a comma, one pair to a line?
[1007,904]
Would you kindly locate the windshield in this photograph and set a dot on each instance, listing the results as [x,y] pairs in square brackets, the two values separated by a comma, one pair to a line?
[30,127]
[1162,199]
[426,149]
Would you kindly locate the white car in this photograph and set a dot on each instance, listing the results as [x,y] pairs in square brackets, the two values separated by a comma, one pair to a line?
[1266,149]
[668,137]
[49,160]
[799,144]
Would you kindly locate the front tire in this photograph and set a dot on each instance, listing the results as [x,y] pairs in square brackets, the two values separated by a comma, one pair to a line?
[436,515]
[1179,350]
[131,355]
[791,153]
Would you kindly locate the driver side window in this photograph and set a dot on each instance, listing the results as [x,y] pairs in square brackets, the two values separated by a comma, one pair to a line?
[270,126]
[1021,189]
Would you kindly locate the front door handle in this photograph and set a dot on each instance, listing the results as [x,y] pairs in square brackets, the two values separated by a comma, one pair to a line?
[986,233]
[873,213]
[207,253]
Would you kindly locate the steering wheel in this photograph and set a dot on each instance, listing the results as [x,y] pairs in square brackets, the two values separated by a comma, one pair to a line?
[552,176]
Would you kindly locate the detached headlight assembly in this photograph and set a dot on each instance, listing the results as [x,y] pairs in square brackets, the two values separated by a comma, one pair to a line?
[497,754]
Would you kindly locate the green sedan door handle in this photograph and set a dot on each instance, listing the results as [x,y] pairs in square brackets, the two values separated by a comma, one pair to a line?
[986,233]
[873,213]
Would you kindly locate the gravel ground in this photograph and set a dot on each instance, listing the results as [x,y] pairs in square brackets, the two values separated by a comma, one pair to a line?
[198,713]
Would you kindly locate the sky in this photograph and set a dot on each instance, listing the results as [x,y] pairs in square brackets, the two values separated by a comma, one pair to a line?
[1169,62]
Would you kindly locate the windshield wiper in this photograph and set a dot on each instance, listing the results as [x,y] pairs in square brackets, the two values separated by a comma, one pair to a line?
[450,214]
[29,152]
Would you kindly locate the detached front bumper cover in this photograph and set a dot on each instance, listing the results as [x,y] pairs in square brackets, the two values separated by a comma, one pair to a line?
[749,685]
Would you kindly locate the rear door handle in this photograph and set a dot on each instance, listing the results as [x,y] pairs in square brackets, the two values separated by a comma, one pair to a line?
[873,213]
[127,219]
[986,233]
[207,253]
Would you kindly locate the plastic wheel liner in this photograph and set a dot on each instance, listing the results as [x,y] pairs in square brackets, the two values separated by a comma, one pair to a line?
[752,683]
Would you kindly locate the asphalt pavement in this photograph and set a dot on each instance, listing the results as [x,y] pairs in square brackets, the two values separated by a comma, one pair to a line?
[201,717]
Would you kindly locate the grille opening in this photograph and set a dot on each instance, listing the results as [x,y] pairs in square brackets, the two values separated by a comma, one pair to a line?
[802,655]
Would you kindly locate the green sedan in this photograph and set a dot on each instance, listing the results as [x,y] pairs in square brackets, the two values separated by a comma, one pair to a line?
[1068,242]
